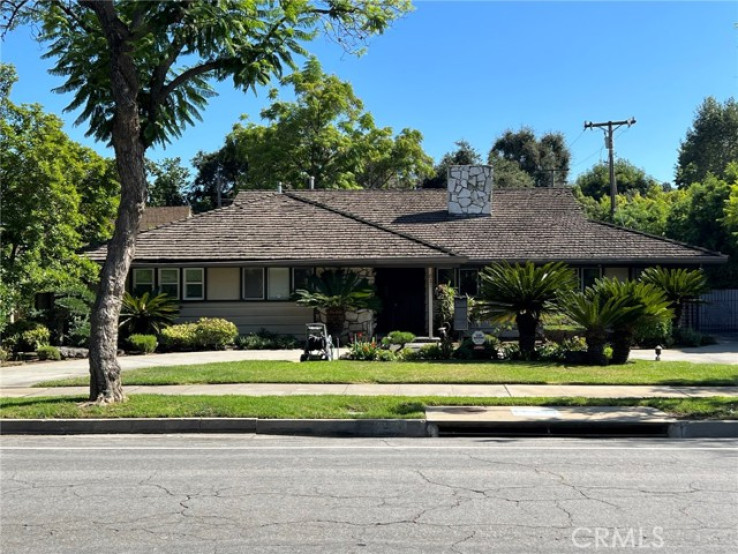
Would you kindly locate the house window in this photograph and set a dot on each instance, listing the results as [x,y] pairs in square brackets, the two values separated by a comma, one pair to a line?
[446,276]
[169,281]
[143,281]
[278,283]
[468,281]
[253,283]
[223,283]
[587,276]
[194,283]
[301,277]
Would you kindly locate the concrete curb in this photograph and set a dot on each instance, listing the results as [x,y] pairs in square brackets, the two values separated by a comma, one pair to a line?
[690,429]
[318,427]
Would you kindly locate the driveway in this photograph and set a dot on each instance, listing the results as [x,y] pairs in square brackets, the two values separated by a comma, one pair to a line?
[724,352]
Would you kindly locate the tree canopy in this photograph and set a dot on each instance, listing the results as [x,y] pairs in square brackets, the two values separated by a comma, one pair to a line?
[545,160]
[167,181]
[711,143]
[465,154]
[57,196]
[595,183]
[325,133]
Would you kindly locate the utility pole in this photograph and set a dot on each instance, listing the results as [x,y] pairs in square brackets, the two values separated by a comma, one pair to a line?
[608,127]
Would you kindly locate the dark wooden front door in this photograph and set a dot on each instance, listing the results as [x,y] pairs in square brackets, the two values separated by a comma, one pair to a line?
[402,291]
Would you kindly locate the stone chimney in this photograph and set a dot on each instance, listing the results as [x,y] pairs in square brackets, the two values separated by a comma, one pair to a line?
[469,190]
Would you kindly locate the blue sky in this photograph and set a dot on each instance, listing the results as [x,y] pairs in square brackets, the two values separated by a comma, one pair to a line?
[471,70]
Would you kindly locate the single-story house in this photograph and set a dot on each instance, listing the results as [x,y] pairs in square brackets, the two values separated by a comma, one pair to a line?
[243,262]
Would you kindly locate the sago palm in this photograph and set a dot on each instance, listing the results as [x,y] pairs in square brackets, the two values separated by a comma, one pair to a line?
[649,304]
[598,314]
[147,313]
[681,287]
[522,293]
[336,292]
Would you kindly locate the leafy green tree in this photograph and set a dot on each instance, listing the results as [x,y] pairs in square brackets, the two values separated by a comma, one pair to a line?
[680,286]
[56,195]
[509,174]
[545,160]
[222,169]
[711,143]
[630,179]
[167,181]
[465,154]
[522,293]
[140,73]
[336,292]
[647,212]
[326,133]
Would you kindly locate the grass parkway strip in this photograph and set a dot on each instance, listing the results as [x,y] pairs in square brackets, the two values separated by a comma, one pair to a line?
[331,407]
[637,372]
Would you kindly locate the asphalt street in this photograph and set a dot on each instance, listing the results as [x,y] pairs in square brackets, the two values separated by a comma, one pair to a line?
[249,493]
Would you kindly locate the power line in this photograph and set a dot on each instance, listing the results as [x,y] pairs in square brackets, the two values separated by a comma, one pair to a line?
[608,127]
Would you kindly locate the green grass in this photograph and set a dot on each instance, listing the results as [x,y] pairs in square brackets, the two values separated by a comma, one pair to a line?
[330,407]
[637,372]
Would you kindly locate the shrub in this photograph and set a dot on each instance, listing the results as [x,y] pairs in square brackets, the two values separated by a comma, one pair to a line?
[386,356]
[145,344]
[400,338]
[426,352]
[266,340]
[685,336]
[363,350]
[215,333]
[652,334]
[406,354]
[551,352]
[26,336]
[48,353]
[467,350]
[178,338]
[3,355]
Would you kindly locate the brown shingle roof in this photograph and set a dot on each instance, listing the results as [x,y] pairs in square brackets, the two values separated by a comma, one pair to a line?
[526,224]
[276,227]
[403,227]
[155,216]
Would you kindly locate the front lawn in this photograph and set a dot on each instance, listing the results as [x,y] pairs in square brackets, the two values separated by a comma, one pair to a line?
[637,372]
[331,407]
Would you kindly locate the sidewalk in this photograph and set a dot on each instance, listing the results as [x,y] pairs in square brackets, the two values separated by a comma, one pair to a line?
[479,391]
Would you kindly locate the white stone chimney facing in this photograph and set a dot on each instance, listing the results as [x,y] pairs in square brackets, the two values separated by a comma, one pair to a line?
[469,190]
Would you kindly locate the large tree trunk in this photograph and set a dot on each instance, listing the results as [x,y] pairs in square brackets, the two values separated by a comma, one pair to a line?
[105,383]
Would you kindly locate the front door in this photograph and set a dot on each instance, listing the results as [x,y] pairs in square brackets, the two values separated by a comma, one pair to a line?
[402,291]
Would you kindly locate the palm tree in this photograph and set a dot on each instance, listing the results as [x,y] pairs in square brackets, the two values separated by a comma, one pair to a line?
[147,313]
[336,292]
[597,313]
[649,304]
[523,293]
[681,286]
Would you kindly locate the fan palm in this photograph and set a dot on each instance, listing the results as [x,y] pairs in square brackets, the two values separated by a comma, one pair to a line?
[523,292]
[649,304]
[336,292]
[681,287]
[147,313]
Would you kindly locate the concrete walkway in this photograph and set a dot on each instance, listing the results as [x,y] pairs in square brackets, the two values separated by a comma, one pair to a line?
[479,391]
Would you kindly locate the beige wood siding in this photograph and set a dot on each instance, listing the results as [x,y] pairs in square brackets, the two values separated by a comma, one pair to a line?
[224,283]
[620,273]
[284,318]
